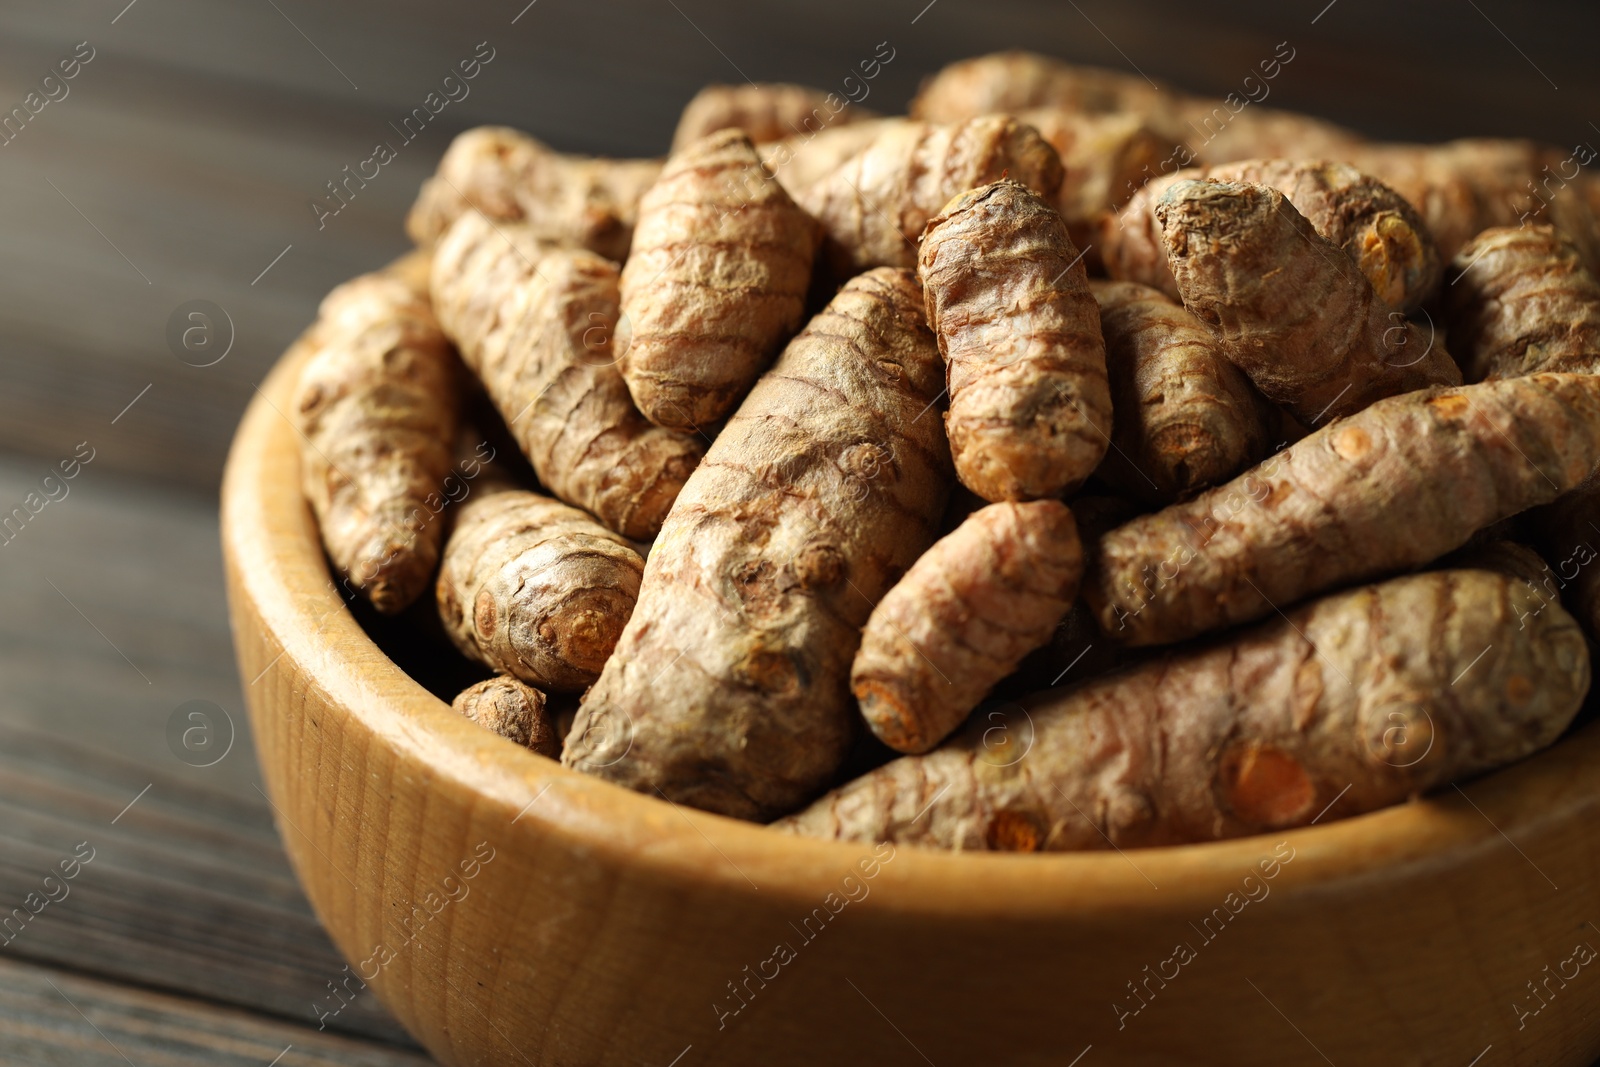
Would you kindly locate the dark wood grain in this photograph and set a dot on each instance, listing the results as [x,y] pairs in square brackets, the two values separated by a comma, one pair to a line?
[57,1018]
[187,890]
[114,620]
[114,617]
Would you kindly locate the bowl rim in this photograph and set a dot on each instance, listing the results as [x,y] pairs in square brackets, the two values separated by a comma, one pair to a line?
[275,561]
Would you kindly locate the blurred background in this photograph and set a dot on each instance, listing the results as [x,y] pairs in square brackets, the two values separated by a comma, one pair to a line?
[181,165]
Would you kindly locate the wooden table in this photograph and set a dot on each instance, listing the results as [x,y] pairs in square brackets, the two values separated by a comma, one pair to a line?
[180,167]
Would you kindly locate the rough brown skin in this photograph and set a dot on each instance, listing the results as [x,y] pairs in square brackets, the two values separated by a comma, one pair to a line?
[536,589]
[1186,418]
[1006,292]
[1462,188]
[1521,301]
[1289,308]
[1374,225]
[569,200]
[1173,751]
[729,689]
[1223,131]
[1458,188]
[766,112]
[876,203]
[536,325]
[1392,487]
[1211,128]
[377,409]
[1016,80]
[1105,159]
[514,710]
[962,618]
[716,282]
[802,160]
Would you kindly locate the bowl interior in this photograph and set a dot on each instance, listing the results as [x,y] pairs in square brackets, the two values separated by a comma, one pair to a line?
[270,526]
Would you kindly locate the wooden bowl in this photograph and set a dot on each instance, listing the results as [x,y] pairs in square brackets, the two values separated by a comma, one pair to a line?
[510,911]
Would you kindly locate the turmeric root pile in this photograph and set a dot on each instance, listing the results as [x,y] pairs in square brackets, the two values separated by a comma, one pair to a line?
[1071,463]
[729,688]
[537,324]
[1371,223]
[1167,752]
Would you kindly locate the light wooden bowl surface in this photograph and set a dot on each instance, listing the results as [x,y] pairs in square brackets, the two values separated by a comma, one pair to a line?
[608,927]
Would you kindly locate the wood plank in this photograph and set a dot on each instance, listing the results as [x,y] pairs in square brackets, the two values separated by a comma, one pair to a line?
[116,619]
[201,198]
[57,1018]
[186,889]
